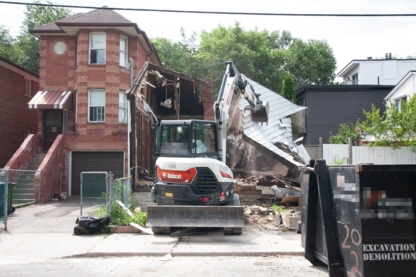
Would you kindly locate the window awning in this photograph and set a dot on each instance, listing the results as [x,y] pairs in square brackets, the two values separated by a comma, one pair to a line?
[51,100]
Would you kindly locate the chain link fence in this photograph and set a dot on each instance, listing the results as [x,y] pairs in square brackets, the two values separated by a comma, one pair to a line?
[94,189]
[99,188]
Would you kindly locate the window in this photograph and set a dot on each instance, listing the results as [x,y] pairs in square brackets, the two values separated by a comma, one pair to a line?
[96,105]
[122,107]
[28,87]
[203,138]
[97,48]
[399,103]
[123,51]
[355,79]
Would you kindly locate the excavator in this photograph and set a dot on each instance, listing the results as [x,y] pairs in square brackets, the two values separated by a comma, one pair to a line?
[193,186]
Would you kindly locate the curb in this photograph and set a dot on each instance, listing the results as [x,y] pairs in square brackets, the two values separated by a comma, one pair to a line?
[186,254]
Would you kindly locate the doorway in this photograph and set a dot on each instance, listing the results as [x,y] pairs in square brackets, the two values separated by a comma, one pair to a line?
[52,127]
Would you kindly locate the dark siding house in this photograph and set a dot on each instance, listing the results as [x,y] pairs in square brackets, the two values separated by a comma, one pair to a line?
[329,106]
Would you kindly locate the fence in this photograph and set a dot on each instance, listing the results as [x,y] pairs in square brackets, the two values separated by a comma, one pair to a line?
[22,192]
[100,188]
[342,154]
[3,198]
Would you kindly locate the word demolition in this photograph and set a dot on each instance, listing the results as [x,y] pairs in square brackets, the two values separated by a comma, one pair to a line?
[385,252]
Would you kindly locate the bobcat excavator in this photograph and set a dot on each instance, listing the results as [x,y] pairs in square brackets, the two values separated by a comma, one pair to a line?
[193,185]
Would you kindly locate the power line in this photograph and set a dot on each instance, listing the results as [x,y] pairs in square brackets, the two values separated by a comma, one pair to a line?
[216,12]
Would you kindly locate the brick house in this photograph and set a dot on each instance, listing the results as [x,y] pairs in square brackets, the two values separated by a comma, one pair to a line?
[87,64]
[17,85]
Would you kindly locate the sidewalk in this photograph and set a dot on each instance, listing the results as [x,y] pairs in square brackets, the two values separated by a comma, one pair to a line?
[44,231]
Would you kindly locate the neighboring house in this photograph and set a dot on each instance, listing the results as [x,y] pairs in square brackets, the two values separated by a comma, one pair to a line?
[329,106]
[386,71]
[403,90]
[17,121]
[87,64]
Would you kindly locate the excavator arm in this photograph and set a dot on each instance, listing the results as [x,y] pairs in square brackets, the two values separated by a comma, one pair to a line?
[234,82]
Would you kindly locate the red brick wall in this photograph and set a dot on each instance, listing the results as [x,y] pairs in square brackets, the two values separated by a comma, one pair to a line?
[22,156]
[71,71]
[52,166]
[56,71]
[15,116]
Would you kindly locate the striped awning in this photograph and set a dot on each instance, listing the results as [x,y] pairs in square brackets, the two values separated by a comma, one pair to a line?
[51,100]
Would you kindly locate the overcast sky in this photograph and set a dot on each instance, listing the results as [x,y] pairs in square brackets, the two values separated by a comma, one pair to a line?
[349,37]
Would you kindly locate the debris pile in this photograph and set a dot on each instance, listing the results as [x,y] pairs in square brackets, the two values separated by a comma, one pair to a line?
[266,217]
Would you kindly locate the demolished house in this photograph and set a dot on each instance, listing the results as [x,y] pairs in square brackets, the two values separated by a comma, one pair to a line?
[157,94]
[265,149]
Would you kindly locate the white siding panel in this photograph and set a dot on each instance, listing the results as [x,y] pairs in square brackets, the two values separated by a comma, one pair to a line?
[366,154]
[333,152]
[405,89]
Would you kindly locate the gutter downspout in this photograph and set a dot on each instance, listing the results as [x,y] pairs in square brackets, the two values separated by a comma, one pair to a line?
[129,118]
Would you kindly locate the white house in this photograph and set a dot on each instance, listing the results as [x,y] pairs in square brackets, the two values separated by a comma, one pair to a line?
[386,71]
[404,89]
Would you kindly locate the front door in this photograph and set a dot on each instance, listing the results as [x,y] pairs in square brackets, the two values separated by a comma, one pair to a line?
[52,127]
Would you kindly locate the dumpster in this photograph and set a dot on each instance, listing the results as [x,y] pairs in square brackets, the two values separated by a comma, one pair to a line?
[359,220]
[10,208]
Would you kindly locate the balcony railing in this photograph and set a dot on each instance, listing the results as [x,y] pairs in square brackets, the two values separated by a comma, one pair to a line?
[350,82]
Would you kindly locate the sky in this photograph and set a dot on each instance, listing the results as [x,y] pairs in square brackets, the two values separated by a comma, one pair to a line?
[349,37]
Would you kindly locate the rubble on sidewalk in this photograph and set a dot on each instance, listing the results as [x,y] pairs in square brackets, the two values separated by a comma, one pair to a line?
[273,218]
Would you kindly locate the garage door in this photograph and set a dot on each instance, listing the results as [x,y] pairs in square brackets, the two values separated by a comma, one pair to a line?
[95,161]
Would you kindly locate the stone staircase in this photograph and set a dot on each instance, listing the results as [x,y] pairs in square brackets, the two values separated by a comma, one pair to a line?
[24,191]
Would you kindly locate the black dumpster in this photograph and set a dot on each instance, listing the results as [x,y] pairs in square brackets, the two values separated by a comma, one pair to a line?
[360,220]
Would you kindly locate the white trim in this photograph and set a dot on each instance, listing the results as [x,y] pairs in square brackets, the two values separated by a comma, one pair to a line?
[105,47]
[101,90]
[408,75]
[33,103]
[126,50]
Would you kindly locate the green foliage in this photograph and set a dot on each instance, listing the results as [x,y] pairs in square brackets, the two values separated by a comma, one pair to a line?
[311,62]
[279,209]
[288,88]
[27,46]
[345,131]
[117,214]
[263,56]
[7,49]
[338,161]
[394,127]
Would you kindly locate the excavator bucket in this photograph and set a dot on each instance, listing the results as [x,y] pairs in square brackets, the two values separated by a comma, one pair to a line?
[162,218]
[260,114]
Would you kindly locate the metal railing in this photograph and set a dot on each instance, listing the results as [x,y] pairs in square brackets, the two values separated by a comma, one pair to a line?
[350,82]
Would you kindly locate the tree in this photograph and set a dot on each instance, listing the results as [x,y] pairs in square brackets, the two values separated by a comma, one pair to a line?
[263,56]
[310,63]
[395,127]
[27,46]
[7,49]
[346,131]
[288,88]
